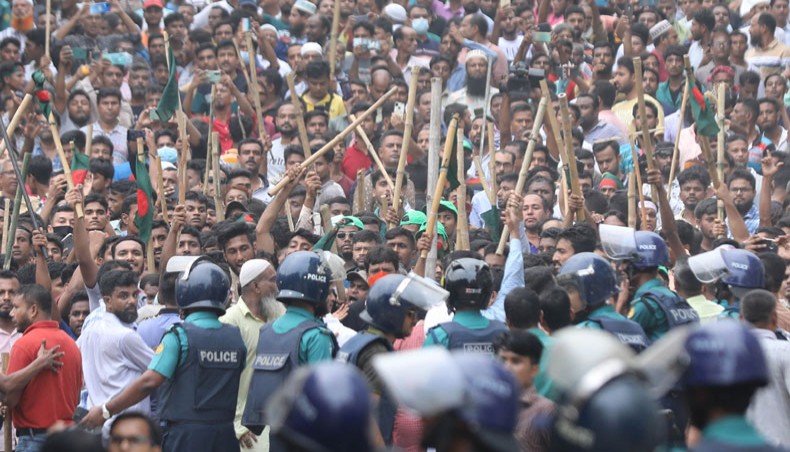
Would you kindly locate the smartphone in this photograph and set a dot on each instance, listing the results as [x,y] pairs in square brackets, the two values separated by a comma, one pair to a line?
[68,244]
[79,53]
[118,59]
[133,135]
[400,110]
[100,8]
[374,44]
[245,24]
[361,42]
[361,18]
[79,413]
[541,36]
[214,76]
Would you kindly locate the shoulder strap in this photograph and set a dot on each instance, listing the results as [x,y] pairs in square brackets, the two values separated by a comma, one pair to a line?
[177,329]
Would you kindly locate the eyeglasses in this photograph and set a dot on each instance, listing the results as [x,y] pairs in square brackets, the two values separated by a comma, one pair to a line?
[343,235]
[740,189]
[137,440]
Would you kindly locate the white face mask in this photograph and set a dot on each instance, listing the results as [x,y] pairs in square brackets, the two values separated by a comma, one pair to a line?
[420,25]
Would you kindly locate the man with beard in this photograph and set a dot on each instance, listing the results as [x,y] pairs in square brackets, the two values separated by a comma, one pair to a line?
[701,28]
[579,238]
[21,22]
[742,186]
[300,12]
[73,107]
[510,40]
[289,134]
[113,354]
[594,129]
[535,210]
[766,52]
[228,62]
[474,27]
[693,184]
[237,242]
[768,120]
[251,155]
[256,307]
[9,285]
[347,228]
[721,50]
[624,82]
[474,94]
[139,80]
[603,61]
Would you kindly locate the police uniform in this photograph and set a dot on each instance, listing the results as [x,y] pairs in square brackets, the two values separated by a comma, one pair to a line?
[202,360]
[626,331]
[359,351]
[468,330]
[657,309]
[295,339]
[733,434]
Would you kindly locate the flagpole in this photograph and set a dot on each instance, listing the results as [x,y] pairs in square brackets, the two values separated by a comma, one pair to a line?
[160,182]
[218,204]
[210,141]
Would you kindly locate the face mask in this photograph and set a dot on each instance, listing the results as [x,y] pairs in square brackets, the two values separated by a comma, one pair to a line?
[168,154]
[62,231]
[420,25]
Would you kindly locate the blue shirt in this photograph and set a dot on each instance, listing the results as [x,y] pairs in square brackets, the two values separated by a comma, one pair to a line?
[513,277]
[152,330]
[733,430]
[316,344]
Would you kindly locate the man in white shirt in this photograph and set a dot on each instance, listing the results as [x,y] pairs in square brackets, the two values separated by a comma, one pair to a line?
[473,95]
[770,405]
[113,354]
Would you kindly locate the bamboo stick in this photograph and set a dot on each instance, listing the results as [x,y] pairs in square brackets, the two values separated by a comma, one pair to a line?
[219,205]
[289,215]
[720,105]
[297,103]
[7,428]
[638,179]
[462,227]
[53,127]
[360,133]
[210,141]
[430,228]
[14,122]
[6,220]
[632,200]
[570,157]
[359,192]
[400,174]
[434,144]
[286,179]
[160,182]
[48,32]
[256,90]
[483,182]
[676,149]
[647,142]
[15,216]
[522,175]
[183,158]
[333,40]
[489,130]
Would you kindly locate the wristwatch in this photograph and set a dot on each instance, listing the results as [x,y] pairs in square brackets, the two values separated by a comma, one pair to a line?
[105,413]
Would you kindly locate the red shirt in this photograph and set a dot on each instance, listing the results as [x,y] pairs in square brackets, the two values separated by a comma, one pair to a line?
[49,397]
[355,159]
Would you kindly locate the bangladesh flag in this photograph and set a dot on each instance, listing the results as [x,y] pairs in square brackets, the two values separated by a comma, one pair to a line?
[326,241]
[704,116]
[168,104]
[79,167]
[144,218]
[493,223]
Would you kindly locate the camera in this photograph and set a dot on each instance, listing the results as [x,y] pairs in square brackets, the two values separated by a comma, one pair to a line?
[520,81]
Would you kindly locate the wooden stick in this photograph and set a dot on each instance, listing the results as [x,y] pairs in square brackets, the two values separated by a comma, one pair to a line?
[638,178]
[89,139]
[360,133]
[555,127]
[522,175]
[183,158]
[256,89]
[7,429]
[210,141]
[383,207]
[10,240]
[6,219]
[297,103]
[218,204]
[647,144]
[489,130]
[290,217]
[160,182]
[48,33]
[400,174]
[676,149]
[570,157]
[53,127]
[241,61]
[720,106]
[462,227]
[434,143]
[14,122]
[286,179]
[359,191]
[632,200]
[333,41]
[430,228]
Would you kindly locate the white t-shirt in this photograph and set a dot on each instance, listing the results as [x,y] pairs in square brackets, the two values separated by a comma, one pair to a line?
[510,47]
[276,165]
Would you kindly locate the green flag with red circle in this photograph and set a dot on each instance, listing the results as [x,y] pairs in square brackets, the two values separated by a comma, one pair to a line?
[144,218]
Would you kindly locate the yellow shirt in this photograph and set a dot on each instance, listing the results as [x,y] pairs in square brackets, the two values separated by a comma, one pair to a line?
[331,103]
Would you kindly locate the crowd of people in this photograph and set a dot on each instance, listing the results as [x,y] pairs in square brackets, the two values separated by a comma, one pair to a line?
[354,225]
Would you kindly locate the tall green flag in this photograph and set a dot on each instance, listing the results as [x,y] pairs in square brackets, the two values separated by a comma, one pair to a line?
[168,104]
[80,164]
[144,218]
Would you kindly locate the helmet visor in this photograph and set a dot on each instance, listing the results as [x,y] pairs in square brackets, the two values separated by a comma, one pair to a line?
[618,242]
[420,292]
[427,381]
[708,267]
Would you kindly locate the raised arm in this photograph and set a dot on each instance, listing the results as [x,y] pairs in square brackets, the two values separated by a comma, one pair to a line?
[668,225]
[737,226]
[264,240]
[769,171]
[82,247]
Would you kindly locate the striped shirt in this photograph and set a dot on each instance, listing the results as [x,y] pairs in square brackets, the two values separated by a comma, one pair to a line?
[769,60]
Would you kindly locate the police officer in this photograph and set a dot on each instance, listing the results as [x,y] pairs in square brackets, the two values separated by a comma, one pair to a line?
[198,365]
[471,286]
[727,367]
[394,306]
[734,272]
[590,283]
[604,404]
[325,407]
[297,338]
[468,401]
[653,305]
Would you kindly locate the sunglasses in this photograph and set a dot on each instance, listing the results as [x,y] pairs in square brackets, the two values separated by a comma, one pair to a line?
[343,235]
